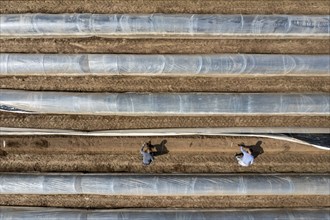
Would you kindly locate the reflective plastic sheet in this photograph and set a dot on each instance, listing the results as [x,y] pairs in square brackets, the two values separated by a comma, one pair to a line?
[162,214]
[163,64]
[315,137]
[171,131]
[163,103]
[148,25]
[181,184]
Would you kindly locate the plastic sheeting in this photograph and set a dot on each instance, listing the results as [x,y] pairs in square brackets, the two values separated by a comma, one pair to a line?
[184,25]
[164,103]
[163,64]
[162,214]
[170,131]
[320,139]
[157,185]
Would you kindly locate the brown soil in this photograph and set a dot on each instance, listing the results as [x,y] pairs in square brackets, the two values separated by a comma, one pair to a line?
[100,201]
[168,6]
[186,154]
[99,122]
[117,83]
[164,46]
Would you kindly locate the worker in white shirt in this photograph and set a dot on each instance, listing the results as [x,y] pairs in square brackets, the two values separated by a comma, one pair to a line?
[147,150]
[245,159]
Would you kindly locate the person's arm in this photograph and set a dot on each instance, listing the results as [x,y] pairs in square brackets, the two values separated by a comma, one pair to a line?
[243,151]
[248,147]
[141,150]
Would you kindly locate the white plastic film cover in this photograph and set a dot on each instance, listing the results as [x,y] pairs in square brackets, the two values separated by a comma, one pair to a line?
[171,131]
[163,103]
[162,25]
[163,64]
[315,137]
[161,214]
[157,185]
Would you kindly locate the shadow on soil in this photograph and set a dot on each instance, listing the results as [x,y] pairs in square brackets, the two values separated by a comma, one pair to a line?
[256,149]
[161,148]
[3,153]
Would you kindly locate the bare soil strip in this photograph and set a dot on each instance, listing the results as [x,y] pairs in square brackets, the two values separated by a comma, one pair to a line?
[185,154]
[164,46]
[99,122]
[47,144]
[182,162]
[320,7]
[122,83]
[99,201]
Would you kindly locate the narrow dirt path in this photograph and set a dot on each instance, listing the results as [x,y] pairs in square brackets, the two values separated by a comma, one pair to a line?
[168,6]
[120,83]
[99,201]
[163,46]
[99,122]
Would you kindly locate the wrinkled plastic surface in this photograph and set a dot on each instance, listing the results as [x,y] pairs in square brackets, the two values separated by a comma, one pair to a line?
[308,131]
[163,64]
[111,25]
[190,185]
[322,140]
[315,137]
[163,214]
[165,103]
